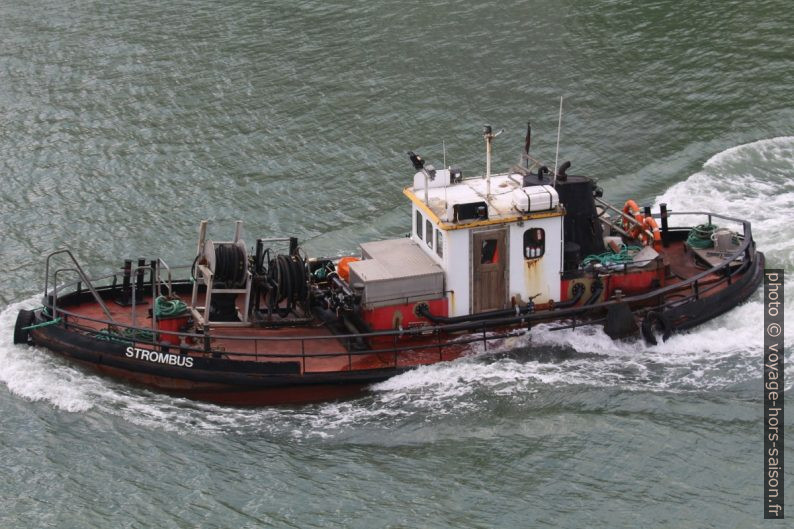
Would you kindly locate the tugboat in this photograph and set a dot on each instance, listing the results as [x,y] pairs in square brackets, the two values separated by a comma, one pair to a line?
[488,257]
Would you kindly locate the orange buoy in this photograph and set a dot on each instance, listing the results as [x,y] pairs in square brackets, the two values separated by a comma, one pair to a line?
[343,267]
[631,209]
[650,223]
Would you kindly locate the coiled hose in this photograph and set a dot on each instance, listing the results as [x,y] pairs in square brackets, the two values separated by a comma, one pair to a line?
[230,265]
[700,236]
[610,258]
[164,307]
[288,281]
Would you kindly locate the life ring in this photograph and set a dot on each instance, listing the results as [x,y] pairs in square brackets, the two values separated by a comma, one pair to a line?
[649,223]
[631,209]
[634,229]
[655,322]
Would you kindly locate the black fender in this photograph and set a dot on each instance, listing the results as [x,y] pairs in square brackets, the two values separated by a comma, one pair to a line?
[25,318]
[655,322]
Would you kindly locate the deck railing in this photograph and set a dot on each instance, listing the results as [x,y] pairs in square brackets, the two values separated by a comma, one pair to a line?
[404,342]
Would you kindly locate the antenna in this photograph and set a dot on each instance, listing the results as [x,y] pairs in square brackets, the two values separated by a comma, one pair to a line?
[557,154]
[444,148]
[489,136]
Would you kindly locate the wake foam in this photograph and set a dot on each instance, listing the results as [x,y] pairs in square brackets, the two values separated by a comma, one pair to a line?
[749,181]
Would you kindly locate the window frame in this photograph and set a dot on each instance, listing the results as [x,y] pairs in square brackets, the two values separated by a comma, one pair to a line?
[535,243]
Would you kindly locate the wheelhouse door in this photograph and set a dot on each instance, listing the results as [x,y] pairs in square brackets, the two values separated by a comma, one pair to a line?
[489,266]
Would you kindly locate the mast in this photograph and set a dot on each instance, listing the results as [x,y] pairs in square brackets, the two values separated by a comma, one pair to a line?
[557,154]
[489,136]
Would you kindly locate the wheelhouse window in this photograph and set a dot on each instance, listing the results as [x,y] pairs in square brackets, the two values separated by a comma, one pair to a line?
[419,224]
[534,243]
[489,253]
[439,243]
[429,233]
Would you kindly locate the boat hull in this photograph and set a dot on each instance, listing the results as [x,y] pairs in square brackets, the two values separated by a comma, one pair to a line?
[213,380]
[234,382]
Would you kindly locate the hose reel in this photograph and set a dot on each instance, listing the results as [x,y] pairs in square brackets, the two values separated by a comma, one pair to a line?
[287,281]
[228,262]
[222,268]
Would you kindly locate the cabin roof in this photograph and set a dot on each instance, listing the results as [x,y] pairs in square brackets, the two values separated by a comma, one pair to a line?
[469,190]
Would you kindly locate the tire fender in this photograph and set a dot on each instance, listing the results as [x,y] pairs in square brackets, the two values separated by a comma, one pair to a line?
[25,318]
[655,321]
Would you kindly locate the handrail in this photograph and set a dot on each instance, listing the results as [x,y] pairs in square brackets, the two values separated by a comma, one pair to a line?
[162,263]
[627,217]
[134,271]
[81,273]
[329,354]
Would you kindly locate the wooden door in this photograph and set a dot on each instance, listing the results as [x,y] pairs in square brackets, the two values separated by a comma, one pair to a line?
[489,264]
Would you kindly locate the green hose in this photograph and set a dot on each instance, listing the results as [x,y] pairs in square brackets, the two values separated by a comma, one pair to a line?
[700,236]
[109,336]
[610,258]
[164,307]
[138,334]
[43,324]
[125,336]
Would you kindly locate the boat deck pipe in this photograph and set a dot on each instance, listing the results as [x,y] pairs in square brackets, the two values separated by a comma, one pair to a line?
[423,310]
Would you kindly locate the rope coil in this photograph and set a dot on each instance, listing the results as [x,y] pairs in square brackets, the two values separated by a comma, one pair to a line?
[625,255]
[700,236]
[164,307]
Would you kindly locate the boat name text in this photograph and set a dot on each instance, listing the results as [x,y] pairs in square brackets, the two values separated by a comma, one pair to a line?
[161,358]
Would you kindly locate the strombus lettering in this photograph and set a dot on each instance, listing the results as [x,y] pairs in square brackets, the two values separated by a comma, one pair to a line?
[158,357]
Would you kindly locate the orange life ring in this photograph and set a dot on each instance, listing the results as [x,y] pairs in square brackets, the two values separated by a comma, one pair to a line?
[632,209]
[650,224]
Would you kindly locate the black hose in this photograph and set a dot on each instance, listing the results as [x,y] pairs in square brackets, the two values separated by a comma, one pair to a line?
[230,264]
[290,297]
[192,269]
[554,314]
[301,279]
[297,277]
[423,310]
[596,294]
[578,292]
[287,280]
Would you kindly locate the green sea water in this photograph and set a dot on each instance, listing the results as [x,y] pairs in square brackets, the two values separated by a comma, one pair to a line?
[123,124]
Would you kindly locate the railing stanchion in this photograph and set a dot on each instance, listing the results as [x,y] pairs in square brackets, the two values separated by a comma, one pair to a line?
[139,274]
[303,354]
